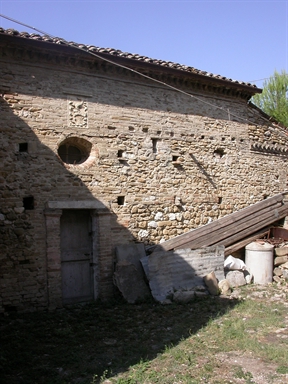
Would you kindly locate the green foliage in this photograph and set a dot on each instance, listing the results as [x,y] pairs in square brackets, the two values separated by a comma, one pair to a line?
[274,98]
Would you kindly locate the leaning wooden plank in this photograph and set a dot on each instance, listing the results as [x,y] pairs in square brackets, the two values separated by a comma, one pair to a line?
[250,220]
[223,222]
[277,215]
[179,241]
[241,244]
[233,229]
[221,234]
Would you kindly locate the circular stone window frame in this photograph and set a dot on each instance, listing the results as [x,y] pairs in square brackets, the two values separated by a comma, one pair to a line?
[84,146]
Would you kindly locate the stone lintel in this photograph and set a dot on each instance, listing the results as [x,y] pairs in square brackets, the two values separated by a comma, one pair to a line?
[76,204]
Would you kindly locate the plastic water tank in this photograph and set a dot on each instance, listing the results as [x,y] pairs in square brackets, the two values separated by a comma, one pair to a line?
[259,260]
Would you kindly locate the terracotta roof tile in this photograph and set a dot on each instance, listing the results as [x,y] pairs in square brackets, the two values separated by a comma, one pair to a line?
[116,52]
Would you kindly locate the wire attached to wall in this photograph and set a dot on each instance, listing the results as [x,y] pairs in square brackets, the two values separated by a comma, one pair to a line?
[229,114]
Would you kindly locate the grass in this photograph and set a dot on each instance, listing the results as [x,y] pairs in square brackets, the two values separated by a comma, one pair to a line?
[247,376]
[144,343]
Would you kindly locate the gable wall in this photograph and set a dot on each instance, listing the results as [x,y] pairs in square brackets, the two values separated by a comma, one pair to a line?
[150,124]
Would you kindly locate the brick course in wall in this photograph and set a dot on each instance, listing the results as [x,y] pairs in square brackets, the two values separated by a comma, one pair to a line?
[160,163]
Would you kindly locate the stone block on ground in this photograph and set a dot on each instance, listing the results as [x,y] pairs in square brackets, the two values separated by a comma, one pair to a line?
[280,260]
[281,251]
[236,278]
[131,253]
[130,283]
[183,269]
[277,279]
[211,283]
[129,275]
[225,287]
[285,274]
[278,272]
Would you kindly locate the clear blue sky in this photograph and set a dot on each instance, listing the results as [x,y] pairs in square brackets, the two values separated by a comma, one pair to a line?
[242,40]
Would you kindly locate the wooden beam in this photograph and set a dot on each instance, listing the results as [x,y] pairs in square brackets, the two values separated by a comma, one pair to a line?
[231,228]
[241,244]
[279,214]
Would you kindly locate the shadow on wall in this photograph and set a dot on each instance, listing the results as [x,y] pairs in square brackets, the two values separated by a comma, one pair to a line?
[57,239]
[57,247]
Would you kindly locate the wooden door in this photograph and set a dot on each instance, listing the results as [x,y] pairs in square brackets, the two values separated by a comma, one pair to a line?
[76,256]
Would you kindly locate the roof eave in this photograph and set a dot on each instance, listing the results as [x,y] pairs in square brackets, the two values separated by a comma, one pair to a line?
[138,65]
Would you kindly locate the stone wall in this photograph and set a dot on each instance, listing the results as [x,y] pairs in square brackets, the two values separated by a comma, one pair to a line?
[160,161]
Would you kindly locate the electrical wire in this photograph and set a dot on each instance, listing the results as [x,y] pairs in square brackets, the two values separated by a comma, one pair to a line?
[255,81]
[126,68]
[26,25]
[138,73]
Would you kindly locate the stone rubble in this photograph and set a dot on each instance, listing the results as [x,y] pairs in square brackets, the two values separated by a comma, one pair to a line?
[212,284]
[225,287]
[236,278]
[208,284]
[280,272]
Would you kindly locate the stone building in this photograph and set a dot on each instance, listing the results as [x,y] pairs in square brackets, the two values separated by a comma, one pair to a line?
[101,148]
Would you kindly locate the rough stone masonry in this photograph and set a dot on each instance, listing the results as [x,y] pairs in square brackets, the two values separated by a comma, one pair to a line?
[147,163]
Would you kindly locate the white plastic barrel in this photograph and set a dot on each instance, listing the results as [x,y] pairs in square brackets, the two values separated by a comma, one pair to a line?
[259,260]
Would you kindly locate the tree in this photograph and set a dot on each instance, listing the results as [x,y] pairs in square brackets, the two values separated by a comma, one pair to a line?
[274,98]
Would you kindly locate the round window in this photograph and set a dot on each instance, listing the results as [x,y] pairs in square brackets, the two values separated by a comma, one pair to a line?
[74,150]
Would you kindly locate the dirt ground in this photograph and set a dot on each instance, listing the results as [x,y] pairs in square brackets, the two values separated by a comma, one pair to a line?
[76,345]
[261,372]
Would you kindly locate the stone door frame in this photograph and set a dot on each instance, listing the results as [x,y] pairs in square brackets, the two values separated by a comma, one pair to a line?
[101,249]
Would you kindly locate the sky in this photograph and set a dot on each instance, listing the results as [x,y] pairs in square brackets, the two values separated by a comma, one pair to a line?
[244,40]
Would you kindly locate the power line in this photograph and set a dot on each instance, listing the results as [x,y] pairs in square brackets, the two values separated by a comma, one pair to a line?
[127,68]
[137,72]
[255,81]
[26,25]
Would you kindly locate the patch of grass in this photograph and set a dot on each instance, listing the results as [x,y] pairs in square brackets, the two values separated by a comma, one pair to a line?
[247,376]
[283,369]
[140,344]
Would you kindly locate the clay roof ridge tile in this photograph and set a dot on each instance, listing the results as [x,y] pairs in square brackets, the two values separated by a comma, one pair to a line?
[116,52]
